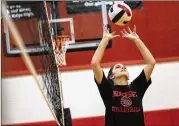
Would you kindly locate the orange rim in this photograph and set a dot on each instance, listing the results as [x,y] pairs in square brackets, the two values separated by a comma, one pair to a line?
[58,41]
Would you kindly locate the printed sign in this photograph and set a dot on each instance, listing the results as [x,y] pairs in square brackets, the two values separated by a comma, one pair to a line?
[79,7]
[22,10]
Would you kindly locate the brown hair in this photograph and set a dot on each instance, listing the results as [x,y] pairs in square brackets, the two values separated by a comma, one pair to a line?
[109,74]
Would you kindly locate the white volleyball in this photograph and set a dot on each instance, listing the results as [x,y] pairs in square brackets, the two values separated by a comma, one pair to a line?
[120,13]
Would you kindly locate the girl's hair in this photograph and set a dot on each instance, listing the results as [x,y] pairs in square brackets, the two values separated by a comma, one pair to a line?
[109,74]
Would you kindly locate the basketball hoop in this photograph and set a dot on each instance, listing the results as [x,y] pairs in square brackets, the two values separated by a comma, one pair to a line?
[61,45]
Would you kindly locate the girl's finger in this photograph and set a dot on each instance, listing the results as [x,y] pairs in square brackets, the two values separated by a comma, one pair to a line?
[113,33]
[129,30]
[116,36]
[122,33]
[124,30]
[134,29]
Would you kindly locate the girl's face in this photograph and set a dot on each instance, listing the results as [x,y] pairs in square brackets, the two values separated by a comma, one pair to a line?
[120,70]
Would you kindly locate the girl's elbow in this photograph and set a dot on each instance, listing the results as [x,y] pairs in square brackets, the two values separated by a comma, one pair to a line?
[94,63]
[154,62]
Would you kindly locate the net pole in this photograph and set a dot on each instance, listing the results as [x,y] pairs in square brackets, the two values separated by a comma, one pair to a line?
[104,12]
[28,62]
[59,75]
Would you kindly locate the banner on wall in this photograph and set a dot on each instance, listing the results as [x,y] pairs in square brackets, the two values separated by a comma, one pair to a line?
[23,9]
[80,7]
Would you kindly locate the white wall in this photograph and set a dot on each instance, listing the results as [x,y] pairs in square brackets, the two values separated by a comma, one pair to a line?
[22,100]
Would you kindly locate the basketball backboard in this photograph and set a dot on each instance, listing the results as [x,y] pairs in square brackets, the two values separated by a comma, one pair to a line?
[82,20]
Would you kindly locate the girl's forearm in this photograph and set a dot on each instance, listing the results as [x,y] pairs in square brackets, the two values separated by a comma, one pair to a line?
[98,55]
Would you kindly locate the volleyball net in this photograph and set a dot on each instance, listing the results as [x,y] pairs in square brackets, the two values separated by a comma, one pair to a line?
[48,78]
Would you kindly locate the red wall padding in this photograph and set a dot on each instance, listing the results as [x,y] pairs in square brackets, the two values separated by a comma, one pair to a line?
[175,117]
[157,25]
[168,117]
[161,118]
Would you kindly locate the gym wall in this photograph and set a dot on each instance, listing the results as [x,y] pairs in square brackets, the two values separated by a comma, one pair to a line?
[158,28]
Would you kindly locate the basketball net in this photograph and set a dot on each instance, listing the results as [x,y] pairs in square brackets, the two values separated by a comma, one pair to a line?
[61,46]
